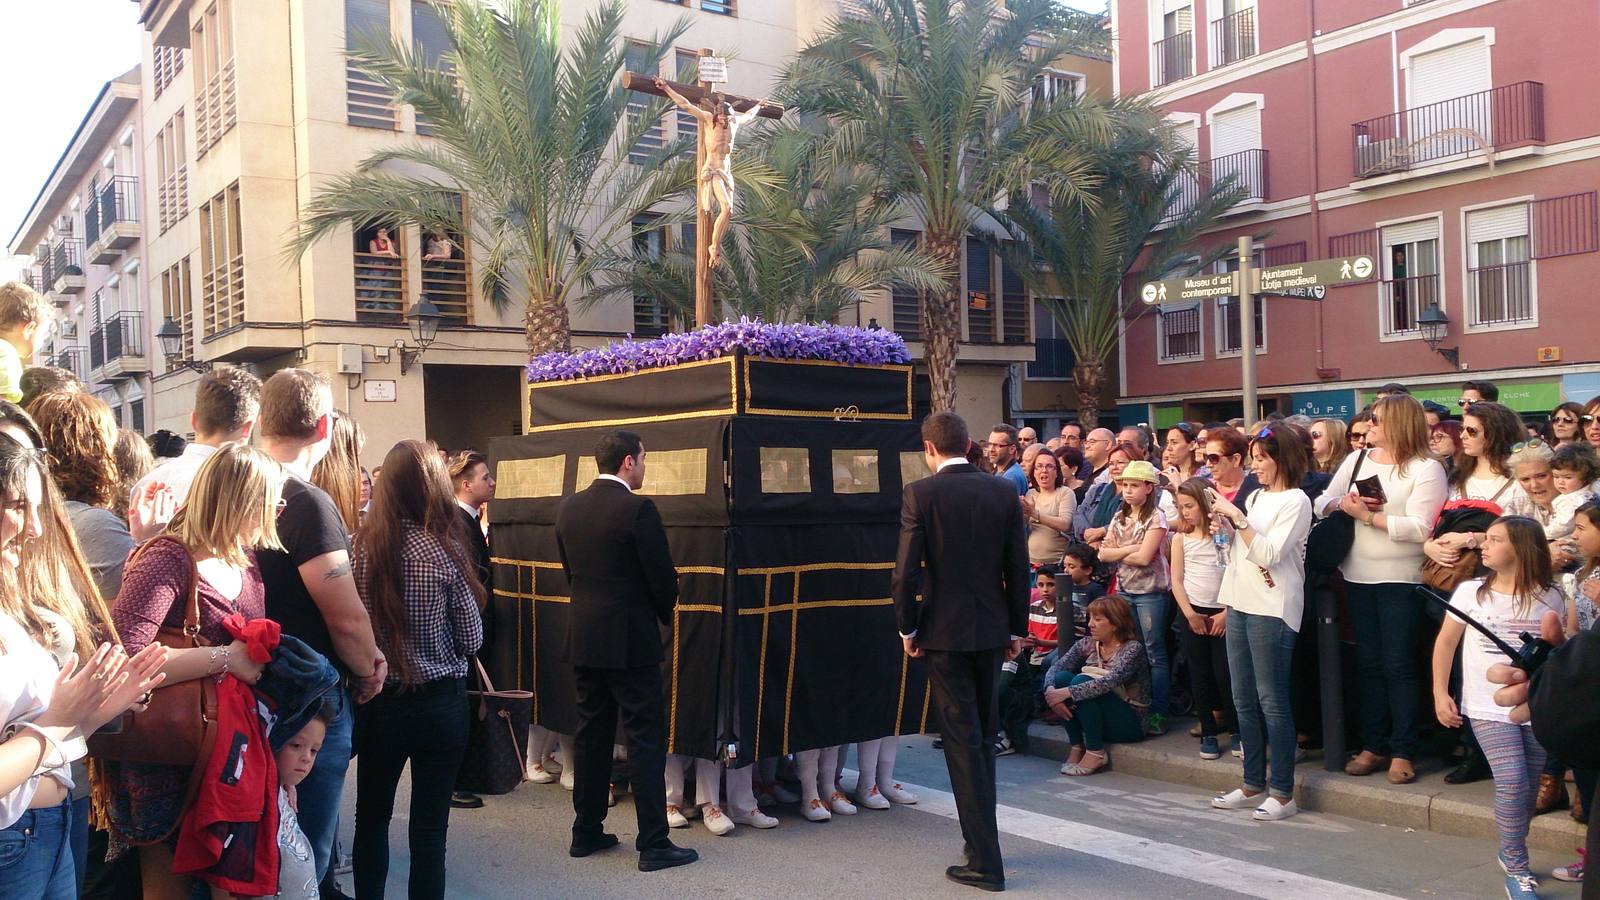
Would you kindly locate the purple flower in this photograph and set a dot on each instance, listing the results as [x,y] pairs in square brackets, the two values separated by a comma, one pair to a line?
[834,343]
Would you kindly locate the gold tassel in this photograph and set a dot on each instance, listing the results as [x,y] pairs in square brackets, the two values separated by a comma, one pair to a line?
[99,795]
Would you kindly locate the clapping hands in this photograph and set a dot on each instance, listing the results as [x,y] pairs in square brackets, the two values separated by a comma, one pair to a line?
[104,687]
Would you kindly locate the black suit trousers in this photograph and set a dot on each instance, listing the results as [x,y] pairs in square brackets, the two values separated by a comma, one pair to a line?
[637,694]
[966,694]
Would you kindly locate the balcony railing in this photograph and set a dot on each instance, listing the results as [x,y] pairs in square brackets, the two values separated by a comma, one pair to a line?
[1233,38]
[1247,168]
[1052,358]
[1404,299]
[1174,57]
[1501,295]
[116,201]
[71,359]
[64,269]
[446,284]
[1497,119]
[380,288]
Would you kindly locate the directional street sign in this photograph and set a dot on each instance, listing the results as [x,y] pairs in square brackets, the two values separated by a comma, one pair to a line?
[1197,287]
[1315,292]
[1313,274]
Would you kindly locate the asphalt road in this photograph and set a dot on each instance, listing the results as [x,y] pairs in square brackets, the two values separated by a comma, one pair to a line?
[1106,836]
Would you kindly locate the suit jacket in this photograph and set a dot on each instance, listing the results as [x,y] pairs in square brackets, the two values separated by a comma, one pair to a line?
[614,550]
[478,546]
[967,527]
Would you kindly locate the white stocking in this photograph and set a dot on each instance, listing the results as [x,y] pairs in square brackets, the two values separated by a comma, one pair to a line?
[887,749]
[827,765]
[807,761]
[867,763]
[741,793]
[708,782]
[674,778]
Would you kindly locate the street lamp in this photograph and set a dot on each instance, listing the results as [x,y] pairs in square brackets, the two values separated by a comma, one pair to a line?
[1435,326]
[170,334]
[424,318]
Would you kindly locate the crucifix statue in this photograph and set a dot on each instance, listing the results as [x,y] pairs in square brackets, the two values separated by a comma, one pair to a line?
[720,116]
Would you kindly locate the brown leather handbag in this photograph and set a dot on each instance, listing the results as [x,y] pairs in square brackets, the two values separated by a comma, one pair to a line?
[178,728]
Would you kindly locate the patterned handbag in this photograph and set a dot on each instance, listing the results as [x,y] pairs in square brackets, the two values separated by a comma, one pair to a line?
[497,745]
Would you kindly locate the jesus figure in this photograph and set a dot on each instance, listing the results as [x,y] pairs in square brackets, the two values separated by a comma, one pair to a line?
[716,170]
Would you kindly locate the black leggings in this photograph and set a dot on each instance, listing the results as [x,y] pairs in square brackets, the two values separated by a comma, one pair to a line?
[426,727]
[1208,675]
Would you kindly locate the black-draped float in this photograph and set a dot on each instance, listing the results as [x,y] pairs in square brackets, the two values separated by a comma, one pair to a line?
[779,482]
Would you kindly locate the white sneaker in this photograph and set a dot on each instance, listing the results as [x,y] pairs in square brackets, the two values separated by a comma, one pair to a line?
[1235,799]
[1238,750]
[1274,809]
[817,811]
[898,794]
[756,819]
[676,818]
[841,804]
[567,779]
[872,799]
[539,774]
[716,822]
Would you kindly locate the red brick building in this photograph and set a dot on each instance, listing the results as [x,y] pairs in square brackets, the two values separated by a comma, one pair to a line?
[1455,141]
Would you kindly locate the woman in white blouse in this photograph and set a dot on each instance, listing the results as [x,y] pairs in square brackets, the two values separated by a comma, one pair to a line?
[46,710]
[1382,571]
[1264,590]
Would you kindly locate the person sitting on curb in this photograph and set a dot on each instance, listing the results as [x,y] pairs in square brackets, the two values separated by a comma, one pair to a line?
[1101,687]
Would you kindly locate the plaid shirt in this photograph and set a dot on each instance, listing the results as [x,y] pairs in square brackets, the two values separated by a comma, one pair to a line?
[442,619]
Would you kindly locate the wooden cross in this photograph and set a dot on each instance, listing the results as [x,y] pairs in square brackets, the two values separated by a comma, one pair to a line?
[703,94]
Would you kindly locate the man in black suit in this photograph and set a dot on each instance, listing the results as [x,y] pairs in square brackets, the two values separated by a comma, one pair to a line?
[624,586]
[966,612]
[474,486]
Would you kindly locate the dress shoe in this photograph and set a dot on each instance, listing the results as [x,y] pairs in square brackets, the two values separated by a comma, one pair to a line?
[580,849]
[666,857]
[973,878]
[465,800]
[1473,767]
[1552,795]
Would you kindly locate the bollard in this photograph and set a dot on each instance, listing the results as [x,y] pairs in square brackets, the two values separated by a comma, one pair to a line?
[1329,672]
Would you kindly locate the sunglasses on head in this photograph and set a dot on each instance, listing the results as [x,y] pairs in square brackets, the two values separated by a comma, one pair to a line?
[1263,434]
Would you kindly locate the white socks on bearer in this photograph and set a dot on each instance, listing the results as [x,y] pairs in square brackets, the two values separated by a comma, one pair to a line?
[541,743]
[875,786]
[817,769]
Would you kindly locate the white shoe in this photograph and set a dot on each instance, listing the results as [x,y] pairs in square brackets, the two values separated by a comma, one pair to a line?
[567,779]
[676,818]
[1274,809]
[1238,750]
[1235,799]
[817,811]
[898,794]
[872,799]
[841,804]
[540,775]
[756,819]
[716,822]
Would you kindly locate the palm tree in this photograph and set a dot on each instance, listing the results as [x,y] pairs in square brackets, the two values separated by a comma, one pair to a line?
[934,94]
[810,248]
[535,130]
[1149,207]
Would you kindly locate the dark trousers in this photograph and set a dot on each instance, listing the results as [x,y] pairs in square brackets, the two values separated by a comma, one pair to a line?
[1018,690]
[427,727]
[1208,676]
[966,695]
[1387,620]
[1099,719]
[636,694]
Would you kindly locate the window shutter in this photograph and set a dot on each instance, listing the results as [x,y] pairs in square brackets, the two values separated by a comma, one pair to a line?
[1235,130]
[1497,224]
[1411,232]
[1449,73]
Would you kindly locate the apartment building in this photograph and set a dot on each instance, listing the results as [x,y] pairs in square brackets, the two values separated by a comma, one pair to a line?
[85,234]
[1453,141]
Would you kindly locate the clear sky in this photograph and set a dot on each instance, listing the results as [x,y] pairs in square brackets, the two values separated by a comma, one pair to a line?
[58,56]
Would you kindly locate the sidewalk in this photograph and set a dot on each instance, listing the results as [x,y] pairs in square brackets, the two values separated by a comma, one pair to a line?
[1428,804]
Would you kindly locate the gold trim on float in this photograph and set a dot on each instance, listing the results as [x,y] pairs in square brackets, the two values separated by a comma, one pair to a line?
[672,714]
[900,705]
[832,413]
[596,379]
[794,648]
[761,665]
[817,604]
[635,420]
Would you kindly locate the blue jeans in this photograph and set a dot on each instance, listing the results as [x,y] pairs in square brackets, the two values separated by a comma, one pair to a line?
[321,791]
[1099,719]
[1153,614]
[1260,656]
[1387,621]
[36,856]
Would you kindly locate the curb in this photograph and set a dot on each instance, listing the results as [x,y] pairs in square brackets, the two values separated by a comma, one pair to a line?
[1426,805]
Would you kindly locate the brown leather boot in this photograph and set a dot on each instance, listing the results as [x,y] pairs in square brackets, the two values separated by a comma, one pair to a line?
[1552,795]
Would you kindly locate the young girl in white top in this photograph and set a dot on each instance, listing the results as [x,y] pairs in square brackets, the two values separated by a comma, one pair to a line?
[1196,585]
[1518,593]
[1573,470]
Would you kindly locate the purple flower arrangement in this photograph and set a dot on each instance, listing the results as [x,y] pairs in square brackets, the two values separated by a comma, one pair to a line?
[834,343]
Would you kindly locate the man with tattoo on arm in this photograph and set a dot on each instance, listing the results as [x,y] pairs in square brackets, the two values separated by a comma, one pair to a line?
[310,588]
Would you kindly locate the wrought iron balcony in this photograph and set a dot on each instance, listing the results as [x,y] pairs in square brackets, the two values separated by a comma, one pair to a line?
[1174,57]
[1233,38]
[116,347]
[64,268]
[1486,122]
[1245,170]
[111,220]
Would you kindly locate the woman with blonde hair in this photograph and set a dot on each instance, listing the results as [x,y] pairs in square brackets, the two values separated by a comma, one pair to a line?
[339,472]
[1382,570]
[1330,444]
[231,512]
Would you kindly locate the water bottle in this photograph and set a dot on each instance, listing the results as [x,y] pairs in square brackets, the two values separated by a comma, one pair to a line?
[1222,539]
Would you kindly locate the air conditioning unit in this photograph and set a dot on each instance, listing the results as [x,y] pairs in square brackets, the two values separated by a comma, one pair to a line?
[1380,157]
[64,224]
